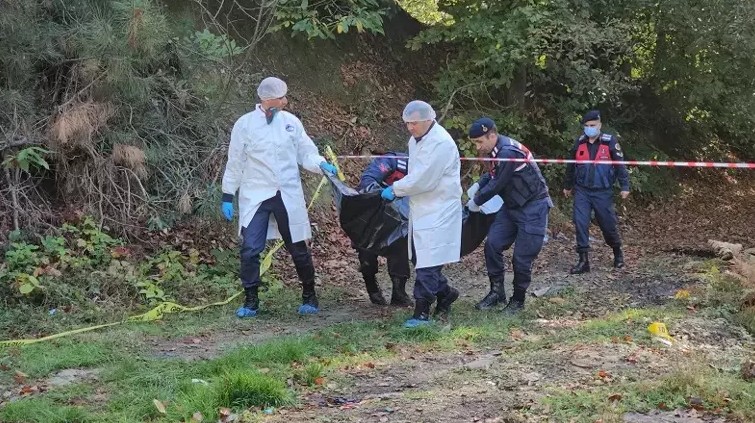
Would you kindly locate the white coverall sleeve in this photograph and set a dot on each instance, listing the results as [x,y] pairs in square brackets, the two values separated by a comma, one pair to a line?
[307,155]
[234,168]
[425,173]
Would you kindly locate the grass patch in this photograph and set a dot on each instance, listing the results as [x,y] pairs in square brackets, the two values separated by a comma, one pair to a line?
[629,324]
[310,374]
[236,390]
[691,385]
[38,360]
[135,383]
[278,351]
[240,389]
[745,317]
[730,297]
[250,376]
[258,376]
[552,307]
[42,410]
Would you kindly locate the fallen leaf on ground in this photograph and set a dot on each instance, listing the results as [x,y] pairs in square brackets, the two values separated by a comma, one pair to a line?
[20,377]
[516,334]
[615,397]
[696,403]
[29,389]
[159,405]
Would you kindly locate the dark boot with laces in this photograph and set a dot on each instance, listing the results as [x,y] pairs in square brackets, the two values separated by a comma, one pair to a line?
[497,295]
[251,303]
[583,266]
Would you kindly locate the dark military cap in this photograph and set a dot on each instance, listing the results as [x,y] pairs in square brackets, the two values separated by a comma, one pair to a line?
[481,126]
[591,115]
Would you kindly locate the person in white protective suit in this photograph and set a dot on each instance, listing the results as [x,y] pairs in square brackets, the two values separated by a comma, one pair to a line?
[433,186]
[267,147]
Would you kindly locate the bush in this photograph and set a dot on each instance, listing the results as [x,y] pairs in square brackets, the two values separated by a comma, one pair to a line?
[82,268]
[130,106]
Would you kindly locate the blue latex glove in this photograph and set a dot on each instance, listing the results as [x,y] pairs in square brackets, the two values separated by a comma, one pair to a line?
[227,209]
[329,168]
[472,206]
[388,194]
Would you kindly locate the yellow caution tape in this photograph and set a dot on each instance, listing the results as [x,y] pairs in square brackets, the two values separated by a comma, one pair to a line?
[18,342]
[166,307]
[334,161]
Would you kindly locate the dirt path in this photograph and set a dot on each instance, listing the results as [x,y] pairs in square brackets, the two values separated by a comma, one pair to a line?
[206,345]
[509,382]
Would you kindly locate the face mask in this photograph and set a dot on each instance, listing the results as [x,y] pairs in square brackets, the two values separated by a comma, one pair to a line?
[591,131]
[270,114]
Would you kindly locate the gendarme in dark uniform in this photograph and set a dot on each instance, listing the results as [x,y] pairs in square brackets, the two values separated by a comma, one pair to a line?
[380,174]
[523,218]
[592,185]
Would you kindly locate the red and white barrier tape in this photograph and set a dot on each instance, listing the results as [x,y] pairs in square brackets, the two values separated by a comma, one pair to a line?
[607,162]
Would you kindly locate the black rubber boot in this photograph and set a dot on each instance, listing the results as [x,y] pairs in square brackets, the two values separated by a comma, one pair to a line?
[497,295]
[373,290]
[398,294]
[618,258]
[309,304]
[514,307]
[252,300]
[421,315]
[444,301]
[583,266]
[308,295]
[251,303]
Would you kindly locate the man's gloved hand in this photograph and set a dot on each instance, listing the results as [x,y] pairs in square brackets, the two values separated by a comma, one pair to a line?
[227,209]
[388,194]
[473,190]
[472,206]
[328,168]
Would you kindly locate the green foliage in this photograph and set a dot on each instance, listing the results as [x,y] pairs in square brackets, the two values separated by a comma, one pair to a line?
[169,266]
[675,75]
[214,46]
[91,247]
[534,66]
[27,158]
[27,267]
[326,18]
[84,260]
[426,11]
